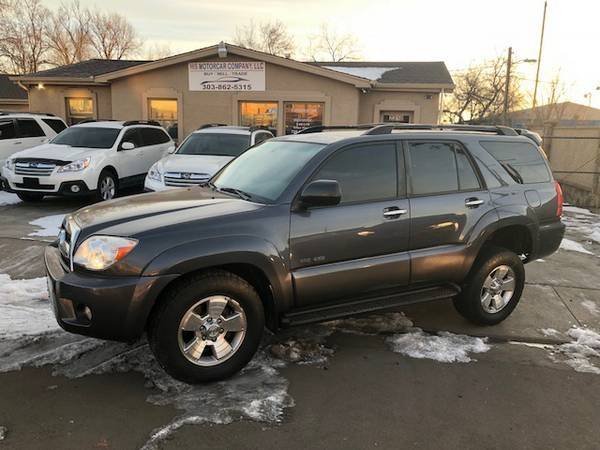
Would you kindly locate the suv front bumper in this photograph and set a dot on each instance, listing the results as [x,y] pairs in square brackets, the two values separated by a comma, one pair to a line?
[52,185]
[115,308]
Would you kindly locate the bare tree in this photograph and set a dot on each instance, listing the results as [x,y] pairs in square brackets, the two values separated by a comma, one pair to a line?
[552,106]
[478,96]
[157,51]
[330,45]
[22,42]
[112,36]
[270,37]
[69,34]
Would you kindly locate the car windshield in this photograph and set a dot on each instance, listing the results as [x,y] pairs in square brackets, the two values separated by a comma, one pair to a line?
[264,171]
[219,144]
[90,137]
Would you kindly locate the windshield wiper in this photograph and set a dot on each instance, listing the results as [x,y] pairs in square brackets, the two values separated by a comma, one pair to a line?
[241,194]
[512,172]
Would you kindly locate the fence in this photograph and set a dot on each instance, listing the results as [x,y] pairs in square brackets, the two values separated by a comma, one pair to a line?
[574,155]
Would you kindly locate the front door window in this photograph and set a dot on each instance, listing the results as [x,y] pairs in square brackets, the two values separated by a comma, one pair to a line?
[300,115]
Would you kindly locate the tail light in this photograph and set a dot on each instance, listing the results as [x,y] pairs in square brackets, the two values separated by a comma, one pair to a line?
[559,199]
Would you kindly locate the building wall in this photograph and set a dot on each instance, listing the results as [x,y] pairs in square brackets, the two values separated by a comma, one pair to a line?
[52,99]
[425,110]
[10,105]
[130,96]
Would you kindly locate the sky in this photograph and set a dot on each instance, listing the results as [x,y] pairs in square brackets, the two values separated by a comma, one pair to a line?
[458,32]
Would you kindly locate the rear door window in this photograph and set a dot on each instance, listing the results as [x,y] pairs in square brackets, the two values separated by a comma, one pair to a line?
[7,130]
[56,124]
[522,157]
[153,136]
[133,135]
[365,172]
[29,128]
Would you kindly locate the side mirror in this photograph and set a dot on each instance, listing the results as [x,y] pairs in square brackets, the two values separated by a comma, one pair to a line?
[127,146]
[321,193]
[171,149]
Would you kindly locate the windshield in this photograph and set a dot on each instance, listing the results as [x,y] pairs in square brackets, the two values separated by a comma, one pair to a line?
[266,170]
[218,144]
[90,137]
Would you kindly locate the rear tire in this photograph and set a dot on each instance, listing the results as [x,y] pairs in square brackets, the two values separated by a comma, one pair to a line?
[206,327]
[107,186]
[493,288]
[30,196]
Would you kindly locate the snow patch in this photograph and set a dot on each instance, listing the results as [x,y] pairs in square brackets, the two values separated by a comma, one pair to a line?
[444,347]
[550,332]
[583,353]
[591,307]
[371,73]
[577,210]
[6,198]
[3,433]
[49,225]
[568,244]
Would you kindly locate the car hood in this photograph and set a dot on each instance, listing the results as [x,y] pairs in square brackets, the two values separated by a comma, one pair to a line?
[209,164]
[137,214]
[53,151]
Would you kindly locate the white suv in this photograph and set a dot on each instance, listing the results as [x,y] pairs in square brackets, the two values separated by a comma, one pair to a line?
[202,154]
[92,158]
[19,131]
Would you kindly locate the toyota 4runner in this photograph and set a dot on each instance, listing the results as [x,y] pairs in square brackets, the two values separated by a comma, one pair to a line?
[319,225]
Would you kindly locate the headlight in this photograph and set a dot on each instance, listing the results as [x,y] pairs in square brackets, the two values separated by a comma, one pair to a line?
[75,166]
[9,164]
[154,173]
[101,252]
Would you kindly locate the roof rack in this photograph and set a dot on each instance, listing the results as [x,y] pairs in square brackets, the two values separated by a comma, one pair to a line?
[387,128]
[5,113]
[95,120]
[211,125]
[319,128]
[142,122]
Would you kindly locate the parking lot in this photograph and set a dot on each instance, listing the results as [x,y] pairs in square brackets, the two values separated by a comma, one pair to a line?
[418,377]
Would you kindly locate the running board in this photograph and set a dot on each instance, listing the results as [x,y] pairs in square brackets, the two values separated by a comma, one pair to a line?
[322,313]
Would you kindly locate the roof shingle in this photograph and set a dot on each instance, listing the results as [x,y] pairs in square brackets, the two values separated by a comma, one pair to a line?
[10,89]
[86,69]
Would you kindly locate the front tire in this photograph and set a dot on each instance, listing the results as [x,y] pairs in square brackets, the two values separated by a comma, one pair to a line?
[30,196]
[207,327]
[493,288]
[107,186]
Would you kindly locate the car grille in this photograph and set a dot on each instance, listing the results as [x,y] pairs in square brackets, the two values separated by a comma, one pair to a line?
[67,238]
[183,179]
[37,169]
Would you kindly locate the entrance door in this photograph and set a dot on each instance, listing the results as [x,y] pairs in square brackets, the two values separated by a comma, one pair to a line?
[397,116]
[358,247]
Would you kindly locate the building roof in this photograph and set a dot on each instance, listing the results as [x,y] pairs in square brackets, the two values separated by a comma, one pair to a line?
[395,72]
[11,90]
[86,69]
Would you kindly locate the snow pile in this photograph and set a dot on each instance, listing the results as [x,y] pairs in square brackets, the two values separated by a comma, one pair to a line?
[24,308]
[7,198]
[49,225]
[568,244]
[385,323]
[444,347]
[582,222]
[583,353]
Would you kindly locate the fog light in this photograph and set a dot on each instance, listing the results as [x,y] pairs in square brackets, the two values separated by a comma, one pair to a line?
[87,313]
[75,188]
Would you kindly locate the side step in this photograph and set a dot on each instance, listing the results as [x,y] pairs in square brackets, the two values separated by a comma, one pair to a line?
[322,313]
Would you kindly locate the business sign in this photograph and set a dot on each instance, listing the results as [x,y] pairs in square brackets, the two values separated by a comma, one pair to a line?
[227,76]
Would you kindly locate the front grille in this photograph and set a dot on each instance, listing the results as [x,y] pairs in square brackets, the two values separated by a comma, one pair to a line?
[41,187]
[67,238]
[36,169]
[183,179]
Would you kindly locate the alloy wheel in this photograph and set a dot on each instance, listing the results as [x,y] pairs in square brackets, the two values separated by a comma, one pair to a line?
[107,188]
[498,288]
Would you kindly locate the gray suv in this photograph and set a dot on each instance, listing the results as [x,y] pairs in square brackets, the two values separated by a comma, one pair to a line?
[319,225]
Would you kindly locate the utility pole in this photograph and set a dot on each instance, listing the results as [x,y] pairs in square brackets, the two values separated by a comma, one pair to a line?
[539,60]
[507,87]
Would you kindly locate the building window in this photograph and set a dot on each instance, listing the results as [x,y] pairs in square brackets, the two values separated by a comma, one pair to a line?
[261,114]
[300,115]
[397,116]
[164,111]
[79,109]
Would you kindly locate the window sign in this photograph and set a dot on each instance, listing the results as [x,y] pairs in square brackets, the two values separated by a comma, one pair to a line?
[300,115]
[227,76]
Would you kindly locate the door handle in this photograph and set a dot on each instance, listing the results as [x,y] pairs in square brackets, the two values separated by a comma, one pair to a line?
[473,202]
[393,212]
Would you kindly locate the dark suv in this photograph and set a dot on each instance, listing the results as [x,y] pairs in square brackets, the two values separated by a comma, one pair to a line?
[314,226]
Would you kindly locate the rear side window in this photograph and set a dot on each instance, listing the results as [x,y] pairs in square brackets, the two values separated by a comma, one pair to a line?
[438,167]
[260,137]
[523,157]
[7,130]
[154,136]
[56,124]
[29,128]
[133,135]
[364,172]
